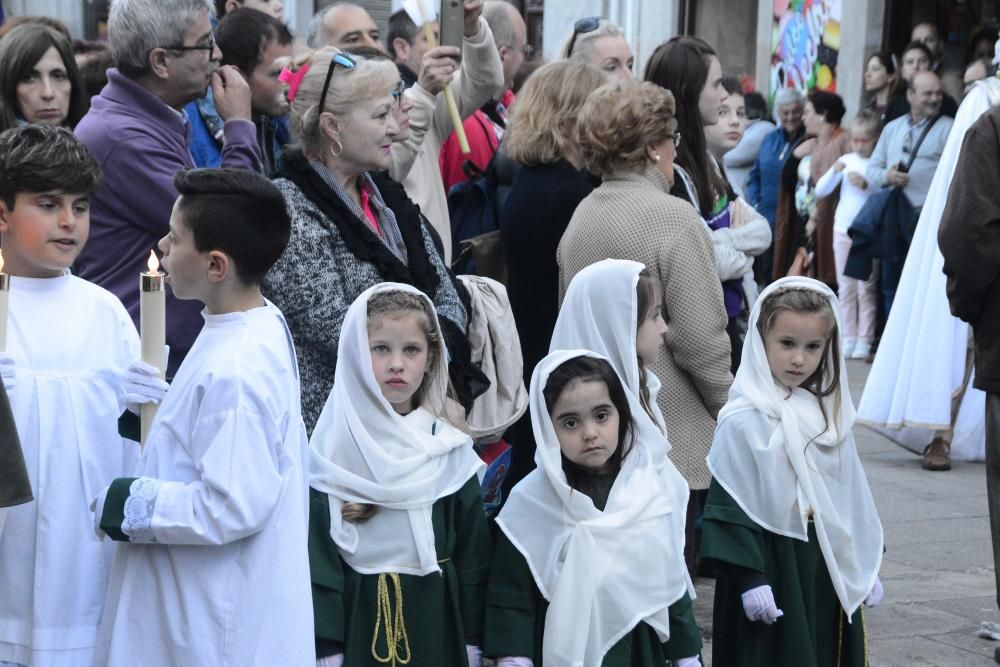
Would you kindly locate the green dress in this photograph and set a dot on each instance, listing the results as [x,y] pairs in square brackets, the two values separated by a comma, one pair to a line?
[515,613]
[814,631]
[441,613]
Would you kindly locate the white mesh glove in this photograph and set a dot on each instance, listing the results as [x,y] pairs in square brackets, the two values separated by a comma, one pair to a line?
[874,598]
[331,661]
[758,605]
[143,384]
[515,662]
[7,371]
[475,655]
[693,661]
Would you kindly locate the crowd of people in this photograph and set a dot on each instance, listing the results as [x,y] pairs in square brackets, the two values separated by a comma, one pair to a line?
[430,406]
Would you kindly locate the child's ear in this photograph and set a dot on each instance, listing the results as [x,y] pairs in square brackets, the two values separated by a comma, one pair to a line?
[220,265]
[4,213]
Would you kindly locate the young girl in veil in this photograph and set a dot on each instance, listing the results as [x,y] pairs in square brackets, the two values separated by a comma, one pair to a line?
[790,517]
[399,547]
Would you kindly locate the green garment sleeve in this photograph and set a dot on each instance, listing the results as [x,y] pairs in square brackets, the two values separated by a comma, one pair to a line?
[15,487]
[113,512]
[472,555]
[511,604]
[728,534]
[685,637]
[327,574]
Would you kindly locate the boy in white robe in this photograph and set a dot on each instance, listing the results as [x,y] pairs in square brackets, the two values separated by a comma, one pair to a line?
[214,568]
[68,343]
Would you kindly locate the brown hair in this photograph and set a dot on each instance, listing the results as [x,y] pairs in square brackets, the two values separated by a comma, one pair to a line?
[542,129]
[620,120]
[394,303]
[826,378]
[648,296]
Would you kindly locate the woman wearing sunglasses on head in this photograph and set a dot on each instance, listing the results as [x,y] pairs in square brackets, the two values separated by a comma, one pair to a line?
[352,225]
[600,43]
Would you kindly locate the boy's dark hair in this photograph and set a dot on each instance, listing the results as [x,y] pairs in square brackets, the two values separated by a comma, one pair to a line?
[243,35]
[400,25]
[920,46]
[592,369]
[220,8]
[238,212]
[756,105]
[829,105]
[45,158]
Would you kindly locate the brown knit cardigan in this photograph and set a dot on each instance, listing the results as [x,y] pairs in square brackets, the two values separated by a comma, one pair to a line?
[631,216]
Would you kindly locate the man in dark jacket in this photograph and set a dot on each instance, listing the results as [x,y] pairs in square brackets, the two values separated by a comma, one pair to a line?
[969,238]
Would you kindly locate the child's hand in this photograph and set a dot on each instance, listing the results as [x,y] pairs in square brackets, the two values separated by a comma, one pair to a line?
[758,605]
[474,655]
[693,661]
[97,507]
[874,598]
[331,661]
[857,180]
[143,384]
[7,371]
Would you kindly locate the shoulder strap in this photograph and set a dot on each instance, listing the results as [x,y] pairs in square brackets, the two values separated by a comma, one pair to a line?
[920,140]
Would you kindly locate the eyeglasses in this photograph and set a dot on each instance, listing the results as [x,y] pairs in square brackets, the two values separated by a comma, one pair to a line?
[210,47]
[676,138]
[584,25]
[397,94]
[342,59]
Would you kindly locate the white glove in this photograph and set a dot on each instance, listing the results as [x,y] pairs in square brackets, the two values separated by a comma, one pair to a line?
[758,605]
[475,655]
[97,507]
[143,384]
[874,598]
[693,661]
[510,661]
[7,371]
[331,661]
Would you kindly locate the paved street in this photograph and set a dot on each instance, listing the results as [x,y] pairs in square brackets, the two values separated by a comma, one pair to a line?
[938,570]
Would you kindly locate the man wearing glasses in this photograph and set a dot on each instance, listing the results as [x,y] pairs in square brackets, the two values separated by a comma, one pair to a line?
[165,57]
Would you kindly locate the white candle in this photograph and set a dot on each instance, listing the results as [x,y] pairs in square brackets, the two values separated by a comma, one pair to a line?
[152,330]
[4,296]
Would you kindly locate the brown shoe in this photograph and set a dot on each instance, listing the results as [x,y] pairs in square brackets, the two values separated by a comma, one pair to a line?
[937,456]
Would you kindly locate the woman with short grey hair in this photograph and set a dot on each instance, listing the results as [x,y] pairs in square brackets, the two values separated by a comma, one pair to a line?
[764,182]
[352,225]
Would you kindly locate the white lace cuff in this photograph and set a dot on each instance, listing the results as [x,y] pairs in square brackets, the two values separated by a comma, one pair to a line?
[139,510]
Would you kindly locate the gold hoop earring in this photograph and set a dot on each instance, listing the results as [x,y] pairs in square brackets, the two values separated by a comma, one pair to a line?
[338,151]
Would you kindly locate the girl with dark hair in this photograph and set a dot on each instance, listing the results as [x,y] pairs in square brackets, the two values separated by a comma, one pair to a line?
[589,566]
[39,79]
[790,518]
[688,67]
[881,82]
[806,221]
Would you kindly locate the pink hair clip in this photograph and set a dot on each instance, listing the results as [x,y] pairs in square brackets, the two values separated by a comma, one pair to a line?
[293,79]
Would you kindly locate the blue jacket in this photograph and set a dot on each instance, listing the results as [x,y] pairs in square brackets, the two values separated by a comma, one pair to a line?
[764,181]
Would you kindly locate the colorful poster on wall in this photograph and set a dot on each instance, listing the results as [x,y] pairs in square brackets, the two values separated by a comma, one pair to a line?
[805,42]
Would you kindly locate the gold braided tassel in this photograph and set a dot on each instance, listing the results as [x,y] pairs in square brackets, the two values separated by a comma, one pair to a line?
[396,641]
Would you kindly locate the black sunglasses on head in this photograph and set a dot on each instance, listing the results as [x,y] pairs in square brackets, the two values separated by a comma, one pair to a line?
[584,25]
[342,59]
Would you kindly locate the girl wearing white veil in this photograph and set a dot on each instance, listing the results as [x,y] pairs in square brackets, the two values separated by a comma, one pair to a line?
[399,547]
[919,391]
[589,568]
[790,517]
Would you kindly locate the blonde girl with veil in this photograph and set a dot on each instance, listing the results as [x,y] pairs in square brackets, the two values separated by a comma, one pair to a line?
[790,518]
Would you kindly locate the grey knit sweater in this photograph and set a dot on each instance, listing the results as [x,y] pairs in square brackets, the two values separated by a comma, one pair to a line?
[631,216]
[317,279]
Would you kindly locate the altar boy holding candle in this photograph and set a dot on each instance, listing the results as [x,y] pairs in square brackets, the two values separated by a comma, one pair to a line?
[68,345]
[214,568]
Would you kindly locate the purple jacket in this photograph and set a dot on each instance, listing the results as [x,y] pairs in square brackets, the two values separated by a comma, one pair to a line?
[140,144]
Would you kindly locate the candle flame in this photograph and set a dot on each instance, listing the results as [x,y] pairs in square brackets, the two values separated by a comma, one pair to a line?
[1,261]
[153,263]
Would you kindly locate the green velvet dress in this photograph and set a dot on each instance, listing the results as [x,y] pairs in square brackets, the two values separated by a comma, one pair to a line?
[441,613]
[515,613]
[814,631]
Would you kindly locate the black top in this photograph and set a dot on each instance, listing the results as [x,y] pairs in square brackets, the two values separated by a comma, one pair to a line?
[15,488]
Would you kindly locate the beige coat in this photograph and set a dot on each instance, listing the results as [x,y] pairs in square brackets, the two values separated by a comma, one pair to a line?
[631,216]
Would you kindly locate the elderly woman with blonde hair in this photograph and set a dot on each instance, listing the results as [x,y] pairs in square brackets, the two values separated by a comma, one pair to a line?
[352,225]
[628,136]
[541,137]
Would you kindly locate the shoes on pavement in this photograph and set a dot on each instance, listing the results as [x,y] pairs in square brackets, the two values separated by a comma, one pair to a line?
[937,456]
[849,346]
[861,351]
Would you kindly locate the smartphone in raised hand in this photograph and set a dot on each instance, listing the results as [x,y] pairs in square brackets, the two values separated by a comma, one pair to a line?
[452,24]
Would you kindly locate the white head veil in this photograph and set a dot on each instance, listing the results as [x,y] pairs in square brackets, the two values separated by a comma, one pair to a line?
[362,451]
[811,465]
[600,313]
[602,572]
